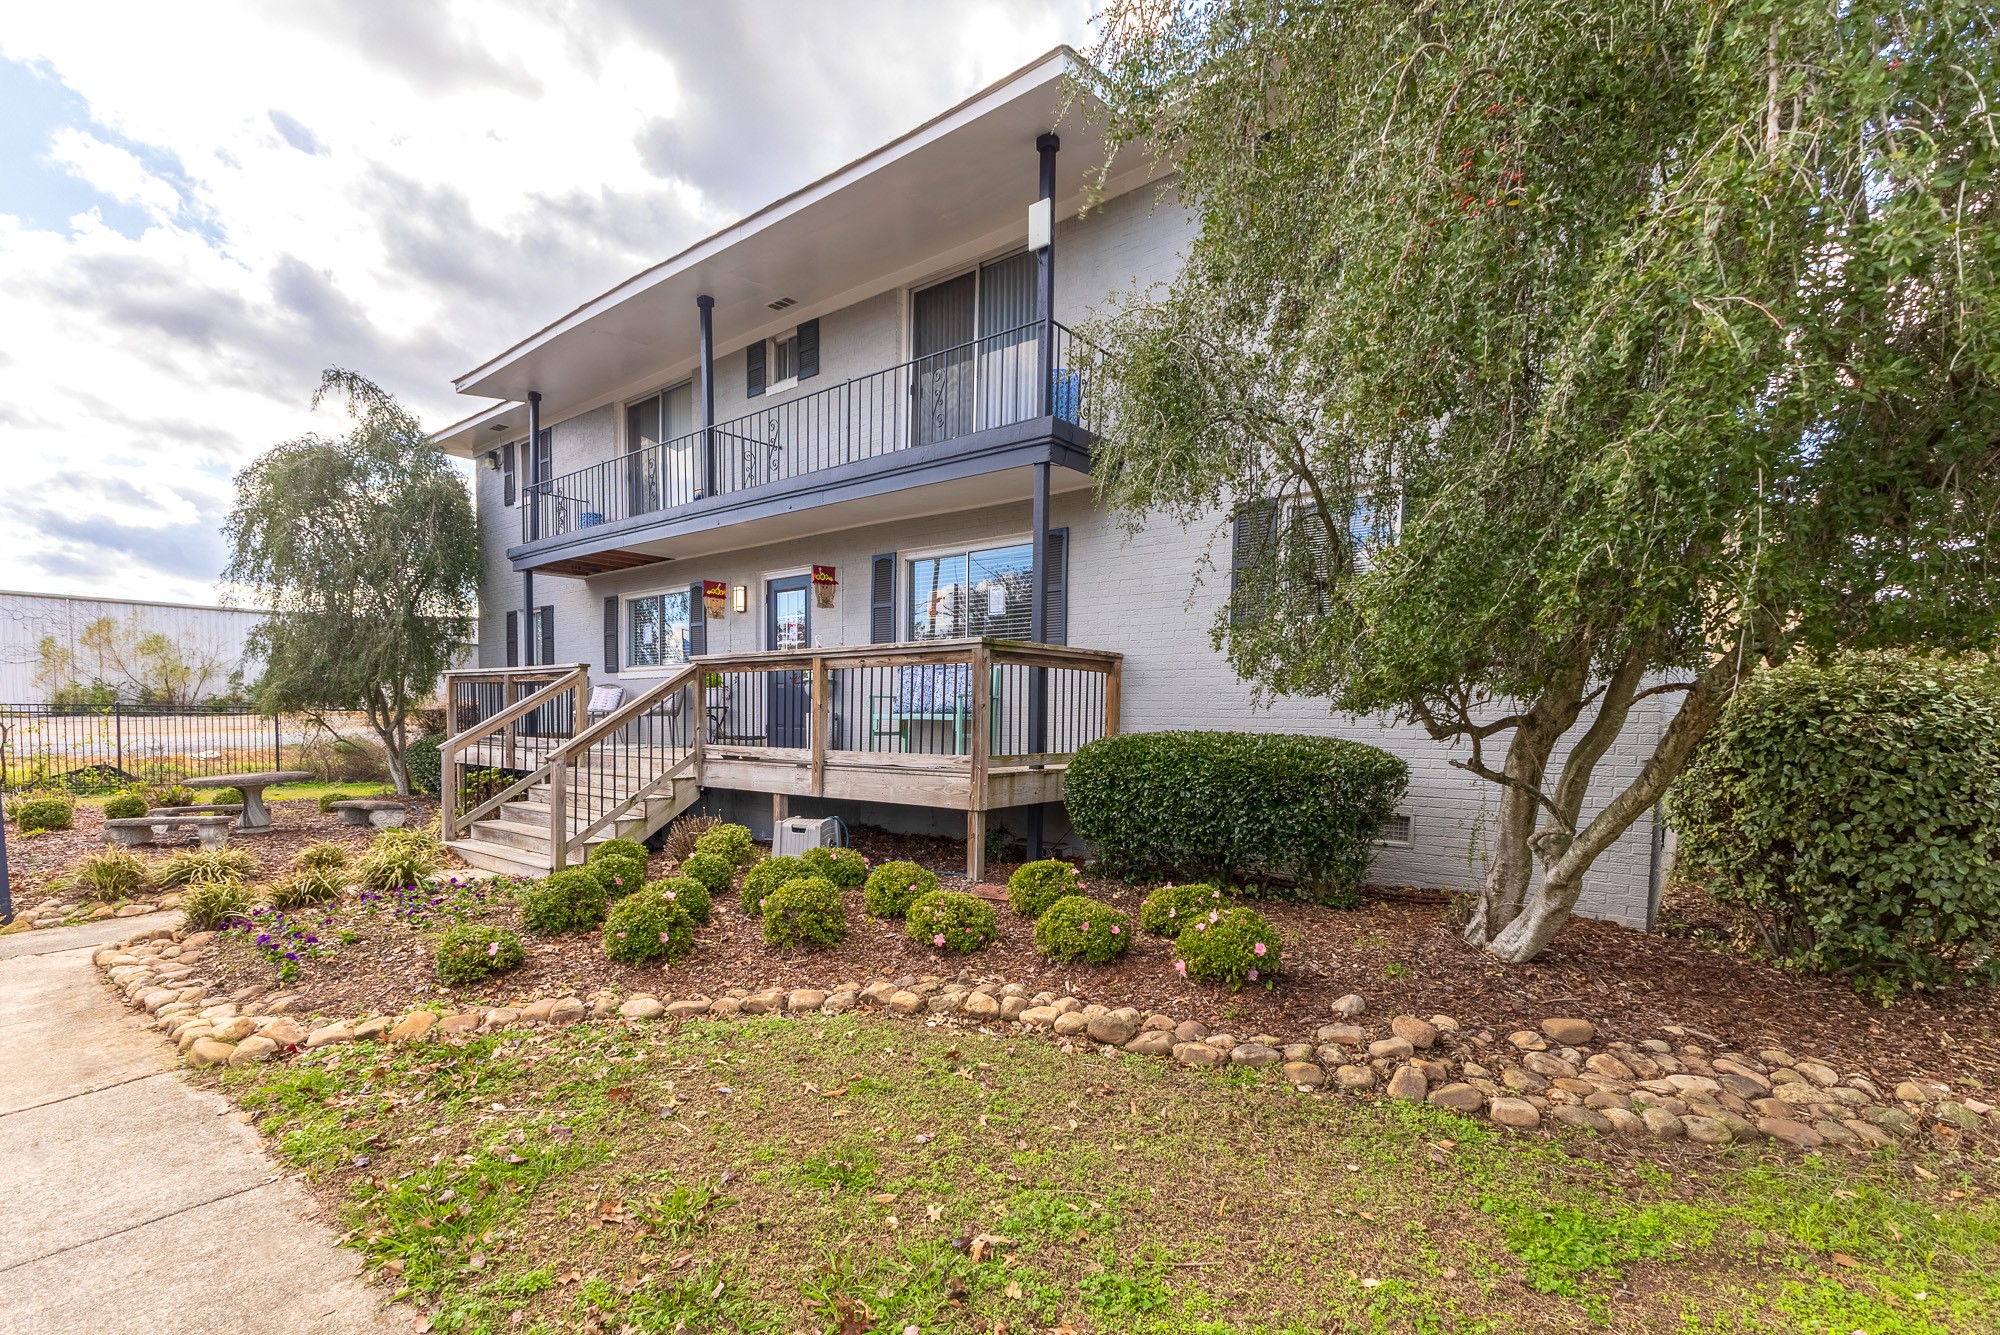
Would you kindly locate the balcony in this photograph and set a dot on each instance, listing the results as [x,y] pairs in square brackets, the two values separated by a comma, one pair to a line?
[943,425]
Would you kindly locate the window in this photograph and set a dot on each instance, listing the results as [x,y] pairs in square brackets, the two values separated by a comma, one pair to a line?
[1283,536]
[662,457]
[785,358]
[781,362]
[658,629]
[986,591]
[1395,832]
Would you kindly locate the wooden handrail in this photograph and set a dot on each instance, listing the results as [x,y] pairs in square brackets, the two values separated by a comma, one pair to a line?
[915,653]
[576,677]
[571,752]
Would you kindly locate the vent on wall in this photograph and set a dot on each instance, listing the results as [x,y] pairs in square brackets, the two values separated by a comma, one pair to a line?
[783,302]
[1395,832]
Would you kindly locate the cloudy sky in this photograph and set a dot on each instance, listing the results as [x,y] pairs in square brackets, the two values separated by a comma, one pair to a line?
[201,207]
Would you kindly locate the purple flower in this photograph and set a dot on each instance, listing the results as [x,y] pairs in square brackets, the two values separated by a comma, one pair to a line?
[1253,975]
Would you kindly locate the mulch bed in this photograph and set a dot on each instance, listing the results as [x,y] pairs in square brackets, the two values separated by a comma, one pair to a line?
[1395,950]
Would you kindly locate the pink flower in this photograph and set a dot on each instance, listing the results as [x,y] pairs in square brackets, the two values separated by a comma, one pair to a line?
[621,936]
[1172,912]
[938,940]
[1084,928]
[1253,975]
[1258,948]
[1201,927]
[672,895]
[1114,929]
[1213,916]
[1180,967]
[663,938]
[492,948]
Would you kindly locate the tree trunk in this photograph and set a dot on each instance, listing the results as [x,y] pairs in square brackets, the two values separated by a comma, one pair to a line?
[1505,888]
[399,772]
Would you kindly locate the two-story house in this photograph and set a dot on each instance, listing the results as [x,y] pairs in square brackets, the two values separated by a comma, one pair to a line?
[840,452]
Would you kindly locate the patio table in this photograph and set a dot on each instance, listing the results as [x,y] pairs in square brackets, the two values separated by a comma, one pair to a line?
[256,816]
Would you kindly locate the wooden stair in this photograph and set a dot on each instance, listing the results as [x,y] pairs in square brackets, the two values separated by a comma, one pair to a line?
[515,841]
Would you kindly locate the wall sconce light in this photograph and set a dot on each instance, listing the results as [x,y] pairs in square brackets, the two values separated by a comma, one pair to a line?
[739,597]
[492,461]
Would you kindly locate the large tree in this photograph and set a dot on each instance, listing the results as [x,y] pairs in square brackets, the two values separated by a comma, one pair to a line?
[1590,352]
[366,550]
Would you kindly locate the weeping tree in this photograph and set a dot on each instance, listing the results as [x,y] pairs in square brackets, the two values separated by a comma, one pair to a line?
[366,550]
[1561,364]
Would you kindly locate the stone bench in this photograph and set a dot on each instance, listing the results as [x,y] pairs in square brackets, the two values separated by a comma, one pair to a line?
[133,831]
[379,812]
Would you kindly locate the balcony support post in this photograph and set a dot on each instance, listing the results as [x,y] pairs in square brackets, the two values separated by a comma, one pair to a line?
[1046,148]
[707,305]
[1045,276]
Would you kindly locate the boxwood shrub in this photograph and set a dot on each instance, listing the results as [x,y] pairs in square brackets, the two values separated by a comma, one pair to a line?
[894,886]
[765,877]
[1172,907]
[714,872]
[728,841]
[423,760]
[618,874]
[1851,809]
[1036,885]
[1075,927]
[805,910]
[1228,946]
[949,920]
[34,814]
[686,891]
[616,848]
[846,868]
[470,952]
[125,806]
[646,926]
[1264,807]
[571,900]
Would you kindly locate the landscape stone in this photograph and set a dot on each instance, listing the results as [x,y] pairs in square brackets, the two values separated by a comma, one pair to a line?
[1459,1097]
[236,1029]
[803,999]
[1350,1006]
[1547,1065]
[1958,1115]
[1152,1043]
[1304,1074]
[1624,1121]
[981,1006]
[687,1008]
[501,1016]
[1419,1034]
[1707,1130]
[339,1032]
[1570,1114]
[252,1050]
[1796,1134]
[1868,1133]
[1819,1073]
[1408,1083]
[284,1031]
[1254,1054]
[1348,1035]
[1199,1054]
[464,1022]
[1893,1120]
[1111,1028]
[1517,1113]
[1068,1024]
[1571,1031]
[1662,1123]
[1393,1048]
[1012,1008]
[1354,1077]
[210,1052]
[725,1006]
[369,1030]
[1608,1066]
[642,1008]
[909,1003]
[1527,1040]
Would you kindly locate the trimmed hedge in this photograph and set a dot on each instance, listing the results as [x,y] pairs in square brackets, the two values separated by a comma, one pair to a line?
[1171,907]
[1852,809]
[804,911]
[732,842]
[646,926]
[470,952]
[686,891]
[846,868]
[714,872]
[125,806]
[618,874]
[571,900]
[1231,947]
[1236,806]
[1075,928]
[894,886]
[951,920]
[1036,885]
[423,761]
[765,877]
[616,848]
[35,814]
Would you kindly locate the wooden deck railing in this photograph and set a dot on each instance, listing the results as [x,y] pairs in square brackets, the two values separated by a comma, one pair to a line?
[544,708]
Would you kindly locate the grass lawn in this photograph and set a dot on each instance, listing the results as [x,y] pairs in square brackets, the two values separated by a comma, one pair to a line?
[857,1173]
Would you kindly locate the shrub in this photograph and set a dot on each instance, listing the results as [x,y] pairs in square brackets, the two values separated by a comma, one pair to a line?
[1235,805]
[1851,808]
[647,926]
[224,797]
[112,874]
[619,875]
[322,856]
[617,848]
[470,951]
[1172,907]
[171,795]
[125,806]
[309,885]
[397,858]
[326,803]
[571,900]
[208,904]
[207,866]
[683,834]
[948,920]
[1036,885]
[716,873]
[765,877]
[35,814]
[423,761]
[805,910]
[732,842]
[1228,946]
[894,886]
[846,868]
[690,894]
[1078,928]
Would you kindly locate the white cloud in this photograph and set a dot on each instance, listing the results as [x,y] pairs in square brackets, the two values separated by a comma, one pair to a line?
[403,189]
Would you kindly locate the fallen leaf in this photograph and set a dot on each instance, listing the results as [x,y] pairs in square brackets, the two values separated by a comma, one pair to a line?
[618,1094]
[1843,1259]
[934,1212]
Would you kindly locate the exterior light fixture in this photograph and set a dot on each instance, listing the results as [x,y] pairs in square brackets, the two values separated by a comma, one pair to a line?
[492,461]
[739,598]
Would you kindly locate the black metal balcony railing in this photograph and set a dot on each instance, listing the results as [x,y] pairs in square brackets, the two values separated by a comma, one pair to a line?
[990,382]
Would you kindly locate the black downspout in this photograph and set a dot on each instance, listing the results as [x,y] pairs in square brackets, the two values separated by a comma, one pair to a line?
[707,305]
[533,498]
[1038,596]
[528,626]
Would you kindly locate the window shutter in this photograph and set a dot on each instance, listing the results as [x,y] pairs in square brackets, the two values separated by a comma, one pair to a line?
[507,473]
[1055,588]
[1249,544]
[611,635]
[697,621]
[753,365]
[543,467]
[545,642]
[513,639]
[882,600]
[807,351]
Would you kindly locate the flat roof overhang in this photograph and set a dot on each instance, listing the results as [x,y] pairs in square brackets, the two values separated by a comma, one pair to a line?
[954,189]
[993,467]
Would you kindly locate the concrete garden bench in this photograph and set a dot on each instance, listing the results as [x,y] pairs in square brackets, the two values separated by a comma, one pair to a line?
[132,831]
[379,812]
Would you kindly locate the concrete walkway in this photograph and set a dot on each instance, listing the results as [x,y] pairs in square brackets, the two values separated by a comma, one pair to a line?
[131,1201]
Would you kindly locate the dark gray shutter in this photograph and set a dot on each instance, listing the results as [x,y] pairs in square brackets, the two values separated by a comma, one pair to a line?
[1055,588]
[545,641]
[697,621]
[507,472]
[513,639]
[1249,545]
[611,654]
[807,351]
[882,600]
[543,467]
[753,366]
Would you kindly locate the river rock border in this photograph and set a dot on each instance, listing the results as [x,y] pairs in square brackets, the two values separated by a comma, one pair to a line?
[1683,1086]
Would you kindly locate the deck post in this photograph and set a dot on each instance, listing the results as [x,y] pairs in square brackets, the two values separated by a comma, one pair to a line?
[979,748]
[1114,681]
[706,304]
[558,818]
[818,726]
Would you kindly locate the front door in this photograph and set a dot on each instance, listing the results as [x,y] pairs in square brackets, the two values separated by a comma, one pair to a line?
[941,376]
[789,627]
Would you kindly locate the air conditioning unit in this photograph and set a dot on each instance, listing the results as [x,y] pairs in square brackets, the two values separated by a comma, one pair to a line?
[798,833]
